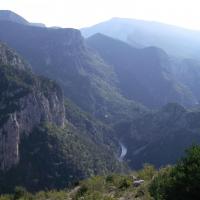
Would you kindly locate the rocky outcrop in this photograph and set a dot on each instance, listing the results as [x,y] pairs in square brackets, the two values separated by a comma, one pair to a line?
[42,103]
[10,57]
[62,55]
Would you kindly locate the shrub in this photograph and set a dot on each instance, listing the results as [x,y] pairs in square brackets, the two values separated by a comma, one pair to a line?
[125,183]
[182,182]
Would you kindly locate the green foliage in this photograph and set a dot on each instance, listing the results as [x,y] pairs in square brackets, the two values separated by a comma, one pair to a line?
[52,158]
[109,187]
[125,183]
[110,179]
[158,187]
[14,84]
[147,172]
[53,195]
[82,191]
[82,149]
[17,83]
[160,137]
[182,182]
[20,193]
[91,127]
[83,75]
[113,186]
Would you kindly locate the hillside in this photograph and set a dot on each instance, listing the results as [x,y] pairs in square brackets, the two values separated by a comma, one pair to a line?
[54,134]
[160,137]
[36,126]
[187,71]
[167,183]
[143,74]
[61,54]
[174,40]
[110,187]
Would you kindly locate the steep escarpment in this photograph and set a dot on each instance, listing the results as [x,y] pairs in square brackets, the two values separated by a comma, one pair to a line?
[62,55]
[10,57]
[143,74]
[41,145]
[25,101]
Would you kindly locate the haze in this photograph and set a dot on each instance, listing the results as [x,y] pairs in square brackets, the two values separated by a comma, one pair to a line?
[77,13]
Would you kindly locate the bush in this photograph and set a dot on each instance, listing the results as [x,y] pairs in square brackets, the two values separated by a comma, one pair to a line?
[125,183]
[22,194]
[83,189]
[181,182]
[110,179]
[147,172]
[161,184]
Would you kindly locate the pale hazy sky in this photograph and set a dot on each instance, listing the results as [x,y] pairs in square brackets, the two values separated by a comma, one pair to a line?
[81,13]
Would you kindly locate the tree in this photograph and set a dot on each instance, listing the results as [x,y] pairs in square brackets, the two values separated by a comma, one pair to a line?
[181,182]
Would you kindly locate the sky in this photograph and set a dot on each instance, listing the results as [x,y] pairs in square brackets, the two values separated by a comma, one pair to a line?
[83,13]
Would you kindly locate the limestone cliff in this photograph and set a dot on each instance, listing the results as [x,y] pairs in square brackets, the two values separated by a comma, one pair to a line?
[25,102]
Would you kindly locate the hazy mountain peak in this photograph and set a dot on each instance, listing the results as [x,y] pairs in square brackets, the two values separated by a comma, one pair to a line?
[107,40]
[101,36]
[8,15]
[176,41]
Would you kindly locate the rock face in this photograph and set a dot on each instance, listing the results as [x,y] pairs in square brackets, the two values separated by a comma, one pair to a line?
[63,56]
[10,57]
[26,102]
[37,150]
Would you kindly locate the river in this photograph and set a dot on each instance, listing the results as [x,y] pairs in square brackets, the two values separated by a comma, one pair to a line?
[123,152]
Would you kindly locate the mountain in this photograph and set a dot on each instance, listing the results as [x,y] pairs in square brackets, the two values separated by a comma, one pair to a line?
[58,138]
[42,146]
[62,55]
[143,74]
[38,25]
[160,137]
[7,15]
[168,183]
[23,106]
[174,40]
[187,71]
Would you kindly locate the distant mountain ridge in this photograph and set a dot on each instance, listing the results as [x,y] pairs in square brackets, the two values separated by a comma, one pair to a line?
[104,83]
[174,40]
[62,55]
[143,74]
[7,15]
